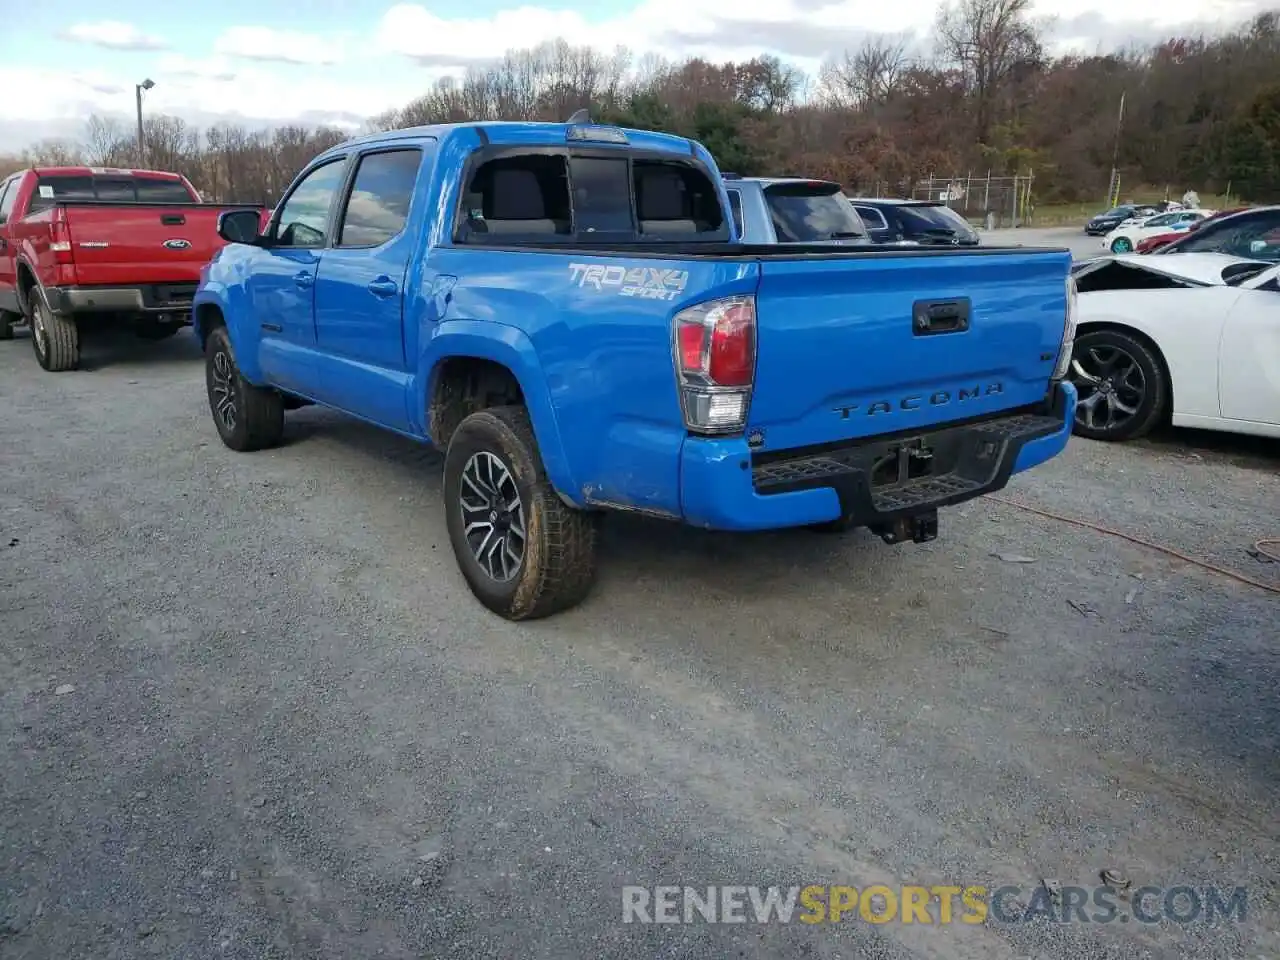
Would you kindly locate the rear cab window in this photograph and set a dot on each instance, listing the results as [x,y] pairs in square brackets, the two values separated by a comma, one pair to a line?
[542,195]
[808,211]
[73,188]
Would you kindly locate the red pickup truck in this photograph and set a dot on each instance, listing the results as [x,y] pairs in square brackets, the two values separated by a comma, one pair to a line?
[82,245]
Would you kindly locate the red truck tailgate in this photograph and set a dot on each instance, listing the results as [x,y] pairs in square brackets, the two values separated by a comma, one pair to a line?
[142,243]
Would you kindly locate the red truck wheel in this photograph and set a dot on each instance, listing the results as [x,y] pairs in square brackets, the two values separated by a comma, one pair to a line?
[524,552]
[56,339]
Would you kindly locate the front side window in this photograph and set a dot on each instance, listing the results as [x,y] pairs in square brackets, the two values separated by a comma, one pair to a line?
[305,215]
[378,206]
[1255,237]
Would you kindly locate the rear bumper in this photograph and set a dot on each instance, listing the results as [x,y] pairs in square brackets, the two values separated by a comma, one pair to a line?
[724,487]
[149,298]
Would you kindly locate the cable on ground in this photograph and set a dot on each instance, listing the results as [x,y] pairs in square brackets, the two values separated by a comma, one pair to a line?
[1260,546]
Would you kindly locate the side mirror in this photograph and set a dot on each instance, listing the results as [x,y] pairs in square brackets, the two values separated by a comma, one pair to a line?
[239,226]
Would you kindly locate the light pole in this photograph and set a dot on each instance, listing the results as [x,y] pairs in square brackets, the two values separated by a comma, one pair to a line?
[137,89]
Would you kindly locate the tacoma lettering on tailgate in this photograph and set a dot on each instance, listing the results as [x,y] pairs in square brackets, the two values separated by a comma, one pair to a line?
[649,283]
[939,398]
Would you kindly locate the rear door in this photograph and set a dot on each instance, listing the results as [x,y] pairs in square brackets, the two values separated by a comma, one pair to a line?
[840,355]
[282,277]
[360,289]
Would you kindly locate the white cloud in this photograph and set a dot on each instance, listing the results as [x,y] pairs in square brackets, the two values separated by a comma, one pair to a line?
[263,43]
[370,68]
[114,35]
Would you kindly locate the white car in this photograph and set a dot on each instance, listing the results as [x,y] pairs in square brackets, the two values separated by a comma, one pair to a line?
[1187,338]
[1126,237]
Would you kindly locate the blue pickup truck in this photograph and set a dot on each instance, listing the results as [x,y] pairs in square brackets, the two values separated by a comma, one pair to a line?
[567,313]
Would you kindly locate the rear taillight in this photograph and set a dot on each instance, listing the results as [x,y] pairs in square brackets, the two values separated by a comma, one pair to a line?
[1068,345]
[60,237]
[715,354]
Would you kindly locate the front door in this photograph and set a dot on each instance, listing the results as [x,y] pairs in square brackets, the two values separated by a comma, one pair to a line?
[1249,355]
[360,290]
[283,280]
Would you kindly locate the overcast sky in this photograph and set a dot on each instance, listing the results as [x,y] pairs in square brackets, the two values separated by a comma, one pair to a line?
[339,61]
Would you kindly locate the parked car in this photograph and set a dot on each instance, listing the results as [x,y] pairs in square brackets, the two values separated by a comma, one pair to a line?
[792,210]
[559,308]
[1187,338]
[1252,233]
[1152,244]
[1127,236]
[81,245]
[919,222]
[1104,223]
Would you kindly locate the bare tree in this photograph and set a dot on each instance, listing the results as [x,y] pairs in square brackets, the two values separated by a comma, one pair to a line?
[987,41]
[867,77]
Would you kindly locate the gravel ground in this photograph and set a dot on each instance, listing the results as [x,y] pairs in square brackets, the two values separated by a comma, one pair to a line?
[248,708]
[1073,238]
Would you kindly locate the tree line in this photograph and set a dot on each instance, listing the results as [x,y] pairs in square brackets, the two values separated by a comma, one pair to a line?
[987,98]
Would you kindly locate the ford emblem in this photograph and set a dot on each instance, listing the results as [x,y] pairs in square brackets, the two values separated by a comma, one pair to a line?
[177,244]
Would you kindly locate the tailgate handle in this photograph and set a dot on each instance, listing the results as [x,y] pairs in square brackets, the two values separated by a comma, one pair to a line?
[932,317]
[172,219]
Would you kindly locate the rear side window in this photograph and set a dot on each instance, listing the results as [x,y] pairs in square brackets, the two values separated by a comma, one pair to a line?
[735,207]
[378,206]
[601,195]
[805,212]
[872,218]
[8,196]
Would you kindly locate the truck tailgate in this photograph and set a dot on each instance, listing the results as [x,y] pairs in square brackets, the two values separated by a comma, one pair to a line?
[141,243]
[855,347]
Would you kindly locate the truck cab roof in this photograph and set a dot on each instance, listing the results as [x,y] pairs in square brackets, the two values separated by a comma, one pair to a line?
[528,134]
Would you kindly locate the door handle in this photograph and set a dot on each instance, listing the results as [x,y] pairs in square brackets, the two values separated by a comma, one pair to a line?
[304,280]
[383,287]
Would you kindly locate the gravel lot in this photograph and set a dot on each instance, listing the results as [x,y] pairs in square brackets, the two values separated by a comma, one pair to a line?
[293,733]
[1073,238]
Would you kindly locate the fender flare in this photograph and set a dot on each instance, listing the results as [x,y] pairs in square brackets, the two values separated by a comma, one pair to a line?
[506,345]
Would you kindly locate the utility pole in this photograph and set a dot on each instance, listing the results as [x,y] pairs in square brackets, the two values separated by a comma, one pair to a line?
[146,84]
[1113,188]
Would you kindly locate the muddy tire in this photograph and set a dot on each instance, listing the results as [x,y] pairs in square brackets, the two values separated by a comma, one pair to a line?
[524,553]
[248,418]
[55,338]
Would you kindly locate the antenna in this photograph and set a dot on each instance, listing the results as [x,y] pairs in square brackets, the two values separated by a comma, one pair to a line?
[580,116]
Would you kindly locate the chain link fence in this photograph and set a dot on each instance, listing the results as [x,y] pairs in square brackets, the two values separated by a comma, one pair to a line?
[985,201]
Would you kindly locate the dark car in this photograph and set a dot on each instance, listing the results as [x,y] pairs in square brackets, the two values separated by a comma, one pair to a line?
[922,222]
[1252,233]
[1104,223]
